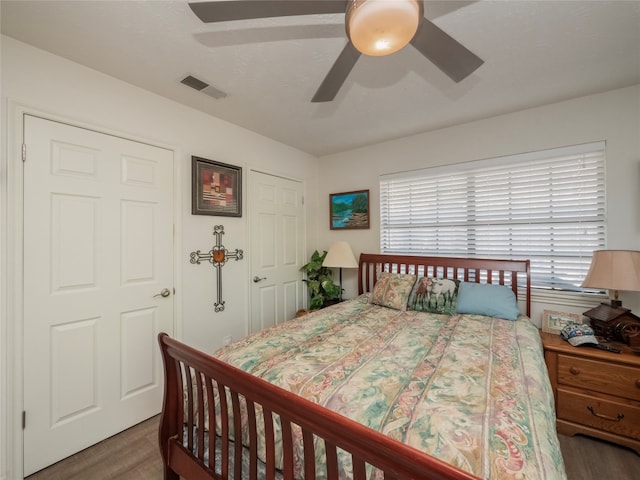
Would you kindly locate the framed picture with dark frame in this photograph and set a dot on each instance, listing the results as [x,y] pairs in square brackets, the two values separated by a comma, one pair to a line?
[216,188]
[349,210]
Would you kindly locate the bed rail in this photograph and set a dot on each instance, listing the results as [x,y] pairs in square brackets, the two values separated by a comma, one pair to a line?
[479,270]
[191,379]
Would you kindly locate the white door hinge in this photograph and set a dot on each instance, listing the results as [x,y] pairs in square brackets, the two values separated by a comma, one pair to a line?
[24,152]
[24,419]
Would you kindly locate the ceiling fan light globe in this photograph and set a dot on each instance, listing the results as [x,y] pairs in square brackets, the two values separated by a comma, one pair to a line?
[382,27]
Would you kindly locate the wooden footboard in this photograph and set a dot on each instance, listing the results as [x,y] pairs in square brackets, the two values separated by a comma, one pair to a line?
[189,451]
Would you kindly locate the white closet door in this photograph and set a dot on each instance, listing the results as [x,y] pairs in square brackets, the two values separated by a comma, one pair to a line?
[98,249]
[277,243]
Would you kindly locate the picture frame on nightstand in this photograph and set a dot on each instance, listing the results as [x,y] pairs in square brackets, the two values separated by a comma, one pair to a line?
[554,322]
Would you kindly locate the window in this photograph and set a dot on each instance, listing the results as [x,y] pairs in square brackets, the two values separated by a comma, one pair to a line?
[548,206]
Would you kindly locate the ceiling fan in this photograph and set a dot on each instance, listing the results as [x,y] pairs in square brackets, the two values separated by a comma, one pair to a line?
[374,27]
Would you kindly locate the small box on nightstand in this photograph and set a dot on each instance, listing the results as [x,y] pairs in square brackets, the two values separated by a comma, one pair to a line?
[615,323]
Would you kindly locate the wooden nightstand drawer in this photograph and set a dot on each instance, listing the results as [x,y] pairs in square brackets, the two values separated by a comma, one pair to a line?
[608,414]
[597,392]
[599,376]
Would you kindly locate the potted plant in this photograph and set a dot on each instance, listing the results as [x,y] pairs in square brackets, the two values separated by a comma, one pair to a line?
[322,290]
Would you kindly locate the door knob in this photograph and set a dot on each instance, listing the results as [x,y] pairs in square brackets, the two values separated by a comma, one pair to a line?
[257,279]
[163,293]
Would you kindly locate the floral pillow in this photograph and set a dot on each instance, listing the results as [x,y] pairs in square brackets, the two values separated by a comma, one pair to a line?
[392,290]
[435,295]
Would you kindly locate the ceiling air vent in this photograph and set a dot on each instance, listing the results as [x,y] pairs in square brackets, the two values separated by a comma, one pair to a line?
[197,84]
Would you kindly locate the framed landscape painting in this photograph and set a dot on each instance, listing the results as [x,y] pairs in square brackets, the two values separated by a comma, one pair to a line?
[349,210]
[216,188]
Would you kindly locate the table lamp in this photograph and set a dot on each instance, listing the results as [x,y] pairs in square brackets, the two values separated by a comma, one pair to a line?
[614,270]
[341,256]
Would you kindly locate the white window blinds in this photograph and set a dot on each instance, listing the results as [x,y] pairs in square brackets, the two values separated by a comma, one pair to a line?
[548,206]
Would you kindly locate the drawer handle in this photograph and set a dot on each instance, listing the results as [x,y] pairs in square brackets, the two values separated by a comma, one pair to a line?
[638,383]
[574,370]
[605,417]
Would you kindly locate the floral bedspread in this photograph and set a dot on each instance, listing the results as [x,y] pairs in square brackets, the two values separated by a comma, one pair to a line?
[468,389]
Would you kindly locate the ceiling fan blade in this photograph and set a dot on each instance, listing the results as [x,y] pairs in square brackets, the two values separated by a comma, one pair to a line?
[225,11]
[450,56]
[337,75]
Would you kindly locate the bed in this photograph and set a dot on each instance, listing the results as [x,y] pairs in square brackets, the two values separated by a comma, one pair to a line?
[393,384]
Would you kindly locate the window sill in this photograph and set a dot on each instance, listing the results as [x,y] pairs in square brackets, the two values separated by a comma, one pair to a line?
[570,299]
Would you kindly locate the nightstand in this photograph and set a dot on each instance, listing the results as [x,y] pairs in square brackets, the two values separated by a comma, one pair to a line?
[597,393]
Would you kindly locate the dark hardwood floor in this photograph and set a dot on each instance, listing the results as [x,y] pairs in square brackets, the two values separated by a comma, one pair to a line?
[133,454]
[587,458]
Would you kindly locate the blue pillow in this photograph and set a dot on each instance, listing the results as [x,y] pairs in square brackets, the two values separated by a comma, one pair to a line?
[486,299]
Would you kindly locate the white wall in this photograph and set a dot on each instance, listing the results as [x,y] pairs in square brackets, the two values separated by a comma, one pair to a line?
[612,116]
[53,85]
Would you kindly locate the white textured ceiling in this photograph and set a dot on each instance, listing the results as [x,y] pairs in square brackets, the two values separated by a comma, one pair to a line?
[535,52]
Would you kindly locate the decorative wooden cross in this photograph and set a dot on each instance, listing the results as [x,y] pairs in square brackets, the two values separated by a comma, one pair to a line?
[217,256]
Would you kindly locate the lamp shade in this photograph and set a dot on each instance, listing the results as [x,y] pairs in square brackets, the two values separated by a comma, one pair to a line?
[340,255]
[382,27]
[614,270]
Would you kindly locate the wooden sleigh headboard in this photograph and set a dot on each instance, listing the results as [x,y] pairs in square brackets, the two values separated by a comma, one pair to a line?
[479,270]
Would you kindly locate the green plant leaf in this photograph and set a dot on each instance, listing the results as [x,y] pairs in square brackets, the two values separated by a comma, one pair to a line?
[320,285]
